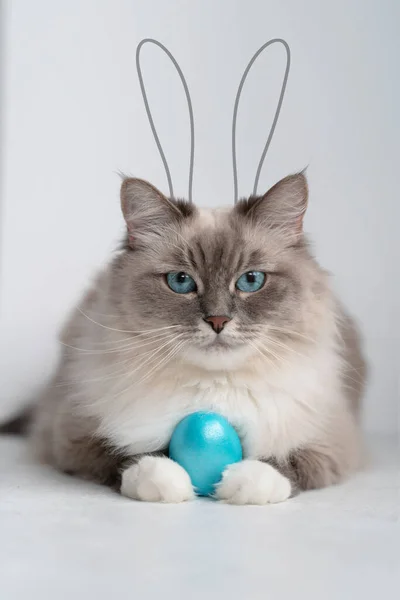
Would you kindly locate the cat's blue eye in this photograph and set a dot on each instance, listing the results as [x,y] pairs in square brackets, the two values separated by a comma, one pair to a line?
[252,281]
[181,283]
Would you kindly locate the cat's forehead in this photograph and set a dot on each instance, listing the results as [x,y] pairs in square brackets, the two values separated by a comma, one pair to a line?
[211,229]
[211,218]
[225,227]
[219,240]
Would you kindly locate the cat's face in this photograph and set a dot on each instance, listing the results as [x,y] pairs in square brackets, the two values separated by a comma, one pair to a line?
[219,285]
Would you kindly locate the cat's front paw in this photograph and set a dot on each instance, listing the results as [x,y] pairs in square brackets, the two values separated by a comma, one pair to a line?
[253,482]
[156,479]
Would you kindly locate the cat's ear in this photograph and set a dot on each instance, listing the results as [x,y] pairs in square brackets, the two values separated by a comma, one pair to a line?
[283,206]
[146,211]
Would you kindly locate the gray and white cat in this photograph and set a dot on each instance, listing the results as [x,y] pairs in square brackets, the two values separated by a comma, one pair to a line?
[223,310]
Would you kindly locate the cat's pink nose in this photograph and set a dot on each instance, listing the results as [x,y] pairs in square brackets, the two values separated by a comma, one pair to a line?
[218,322]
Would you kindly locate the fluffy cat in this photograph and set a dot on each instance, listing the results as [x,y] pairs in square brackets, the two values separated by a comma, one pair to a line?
[222,310]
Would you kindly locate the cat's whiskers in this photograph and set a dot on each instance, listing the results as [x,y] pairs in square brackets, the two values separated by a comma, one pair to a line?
[122,330]
[279,344]
[349,387]
[138,334]
[349,377]
[164,360]
[100,314]
[266,348]
[94,379]
[267,358]
[122,371]
[124,348]
[283,330]
[347,365]
[143,363]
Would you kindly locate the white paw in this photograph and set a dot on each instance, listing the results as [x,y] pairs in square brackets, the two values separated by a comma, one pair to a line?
[156,479]
[253,482]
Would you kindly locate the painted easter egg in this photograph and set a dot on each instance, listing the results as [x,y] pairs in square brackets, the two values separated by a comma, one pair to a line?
[204,444]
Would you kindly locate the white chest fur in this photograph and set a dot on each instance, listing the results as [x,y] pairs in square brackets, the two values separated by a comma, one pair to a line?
[273,412]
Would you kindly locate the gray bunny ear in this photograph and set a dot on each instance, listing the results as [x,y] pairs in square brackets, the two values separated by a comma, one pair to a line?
[149,115]
[274,122]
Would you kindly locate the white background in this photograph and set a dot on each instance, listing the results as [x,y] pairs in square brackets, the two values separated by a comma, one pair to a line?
[73,117]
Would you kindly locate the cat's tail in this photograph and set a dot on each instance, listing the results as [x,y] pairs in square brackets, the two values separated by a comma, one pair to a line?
[19,424]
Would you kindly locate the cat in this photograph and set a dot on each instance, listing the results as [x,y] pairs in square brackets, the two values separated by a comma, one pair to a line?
[218,309]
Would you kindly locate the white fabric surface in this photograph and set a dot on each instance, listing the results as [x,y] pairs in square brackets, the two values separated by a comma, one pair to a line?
[61,538]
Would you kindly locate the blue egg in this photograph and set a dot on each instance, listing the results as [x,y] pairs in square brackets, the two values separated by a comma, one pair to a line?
[204,444]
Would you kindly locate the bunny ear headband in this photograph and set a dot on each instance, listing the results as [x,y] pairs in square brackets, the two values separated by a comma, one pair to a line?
[234,119]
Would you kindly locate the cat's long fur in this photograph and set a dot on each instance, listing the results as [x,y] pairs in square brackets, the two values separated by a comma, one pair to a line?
[286,370]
